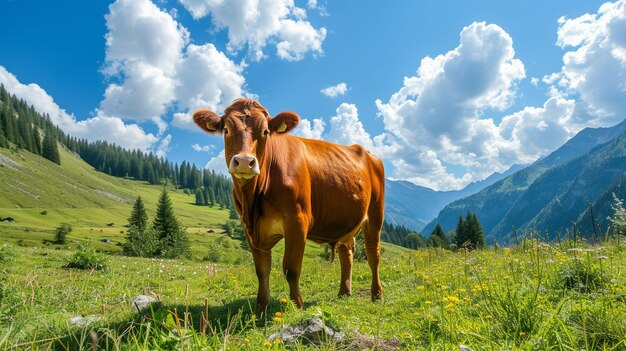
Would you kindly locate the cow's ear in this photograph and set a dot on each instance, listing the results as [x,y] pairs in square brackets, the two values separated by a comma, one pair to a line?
[284,122]
[209,121]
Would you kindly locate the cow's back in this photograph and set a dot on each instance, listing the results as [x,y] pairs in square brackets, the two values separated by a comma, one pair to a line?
[344,181]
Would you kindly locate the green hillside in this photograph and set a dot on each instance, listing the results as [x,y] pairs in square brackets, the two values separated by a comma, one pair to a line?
[40,195]
[551,194]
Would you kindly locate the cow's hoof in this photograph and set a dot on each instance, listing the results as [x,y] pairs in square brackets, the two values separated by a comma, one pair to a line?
[343,293]
[377,296]
[260,311]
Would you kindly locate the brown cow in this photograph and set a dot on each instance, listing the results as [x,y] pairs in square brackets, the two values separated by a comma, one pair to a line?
[297,189]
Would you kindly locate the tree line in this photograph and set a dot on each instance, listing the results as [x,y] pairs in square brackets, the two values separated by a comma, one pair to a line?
[22,127]
[467,234]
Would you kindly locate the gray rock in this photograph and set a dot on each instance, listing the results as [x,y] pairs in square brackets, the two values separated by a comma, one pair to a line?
[141,302]
[311,330]
[81,321]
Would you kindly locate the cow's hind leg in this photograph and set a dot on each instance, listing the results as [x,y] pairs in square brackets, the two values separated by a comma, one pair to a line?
[371,231]
[263,265]
[346,252]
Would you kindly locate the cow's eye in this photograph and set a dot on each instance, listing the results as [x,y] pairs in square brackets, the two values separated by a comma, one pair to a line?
[266,132]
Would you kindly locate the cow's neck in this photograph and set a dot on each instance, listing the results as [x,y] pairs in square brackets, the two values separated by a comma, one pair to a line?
[249,194]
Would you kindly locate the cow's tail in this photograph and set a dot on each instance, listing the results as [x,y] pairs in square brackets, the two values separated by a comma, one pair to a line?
[332,246]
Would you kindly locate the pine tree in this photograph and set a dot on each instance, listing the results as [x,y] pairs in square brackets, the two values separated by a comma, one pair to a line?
[438,238]
[205,192]
[414,241]
[173,241]
[138,217]
[8,120]
[140,240]
[37,142]
[461,234]
[61,233]
[50,148]
[3,139]
[475,231]
[200,201]
[211,199]
[232,214]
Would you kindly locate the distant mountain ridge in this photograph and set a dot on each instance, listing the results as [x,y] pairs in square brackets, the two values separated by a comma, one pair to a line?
[413,206]
[553,192]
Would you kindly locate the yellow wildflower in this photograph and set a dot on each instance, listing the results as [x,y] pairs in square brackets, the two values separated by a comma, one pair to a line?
[267,344]
[283,300]
[452,299]
[421,287]
[278,314]
[278,319]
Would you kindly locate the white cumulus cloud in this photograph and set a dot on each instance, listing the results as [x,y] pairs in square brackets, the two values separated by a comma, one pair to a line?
[154,68]
[209,80]
[202,148]
[336,90]
[143,50]
[218,164]
[436,117]
[255,23]
[594,70]
[164,146]
[306,130]
[100,127]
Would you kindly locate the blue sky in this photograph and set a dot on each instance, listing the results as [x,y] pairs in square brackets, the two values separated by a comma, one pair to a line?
[445,92]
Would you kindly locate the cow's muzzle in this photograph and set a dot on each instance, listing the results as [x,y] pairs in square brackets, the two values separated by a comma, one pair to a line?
[244,166]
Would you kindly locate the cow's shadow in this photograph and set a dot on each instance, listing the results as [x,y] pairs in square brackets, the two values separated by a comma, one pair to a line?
[232,317]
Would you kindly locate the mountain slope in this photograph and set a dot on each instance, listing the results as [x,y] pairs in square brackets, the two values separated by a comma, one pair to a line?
[40,195]
[494,202]
[557,198]
[413,206]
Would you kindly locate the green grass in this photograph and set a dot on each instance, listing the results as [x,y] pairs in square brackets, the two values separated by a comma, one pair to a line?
[507,299]
[77,194]
[531,297]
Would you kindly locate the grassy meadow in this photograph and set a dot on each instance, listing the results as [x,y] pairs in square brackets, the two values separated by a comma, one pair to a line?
[41,195]
[534,296]
[531,297]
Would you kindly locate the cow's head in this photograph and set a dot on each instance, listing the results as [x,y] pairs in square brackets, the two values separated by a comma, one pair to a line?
[246,127]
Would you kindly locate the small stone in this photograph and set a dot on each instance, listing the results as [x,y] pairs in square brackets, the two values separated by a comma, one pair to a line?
[142,302]
[312,330]
[81,321]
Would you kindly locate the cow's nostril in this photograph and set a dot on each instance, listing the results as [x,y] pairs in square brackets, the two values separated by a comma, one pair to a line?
[252,162]
[236,162]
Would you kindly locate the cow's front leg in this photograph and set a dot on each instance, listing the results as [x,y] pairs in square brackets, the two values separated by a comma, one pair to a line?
[295,240]
[263,265]
[345,260]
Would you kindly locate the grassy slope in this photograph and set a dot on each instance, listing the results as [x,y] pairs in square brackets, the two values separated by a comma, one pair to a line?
[77,194]
[512,299]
